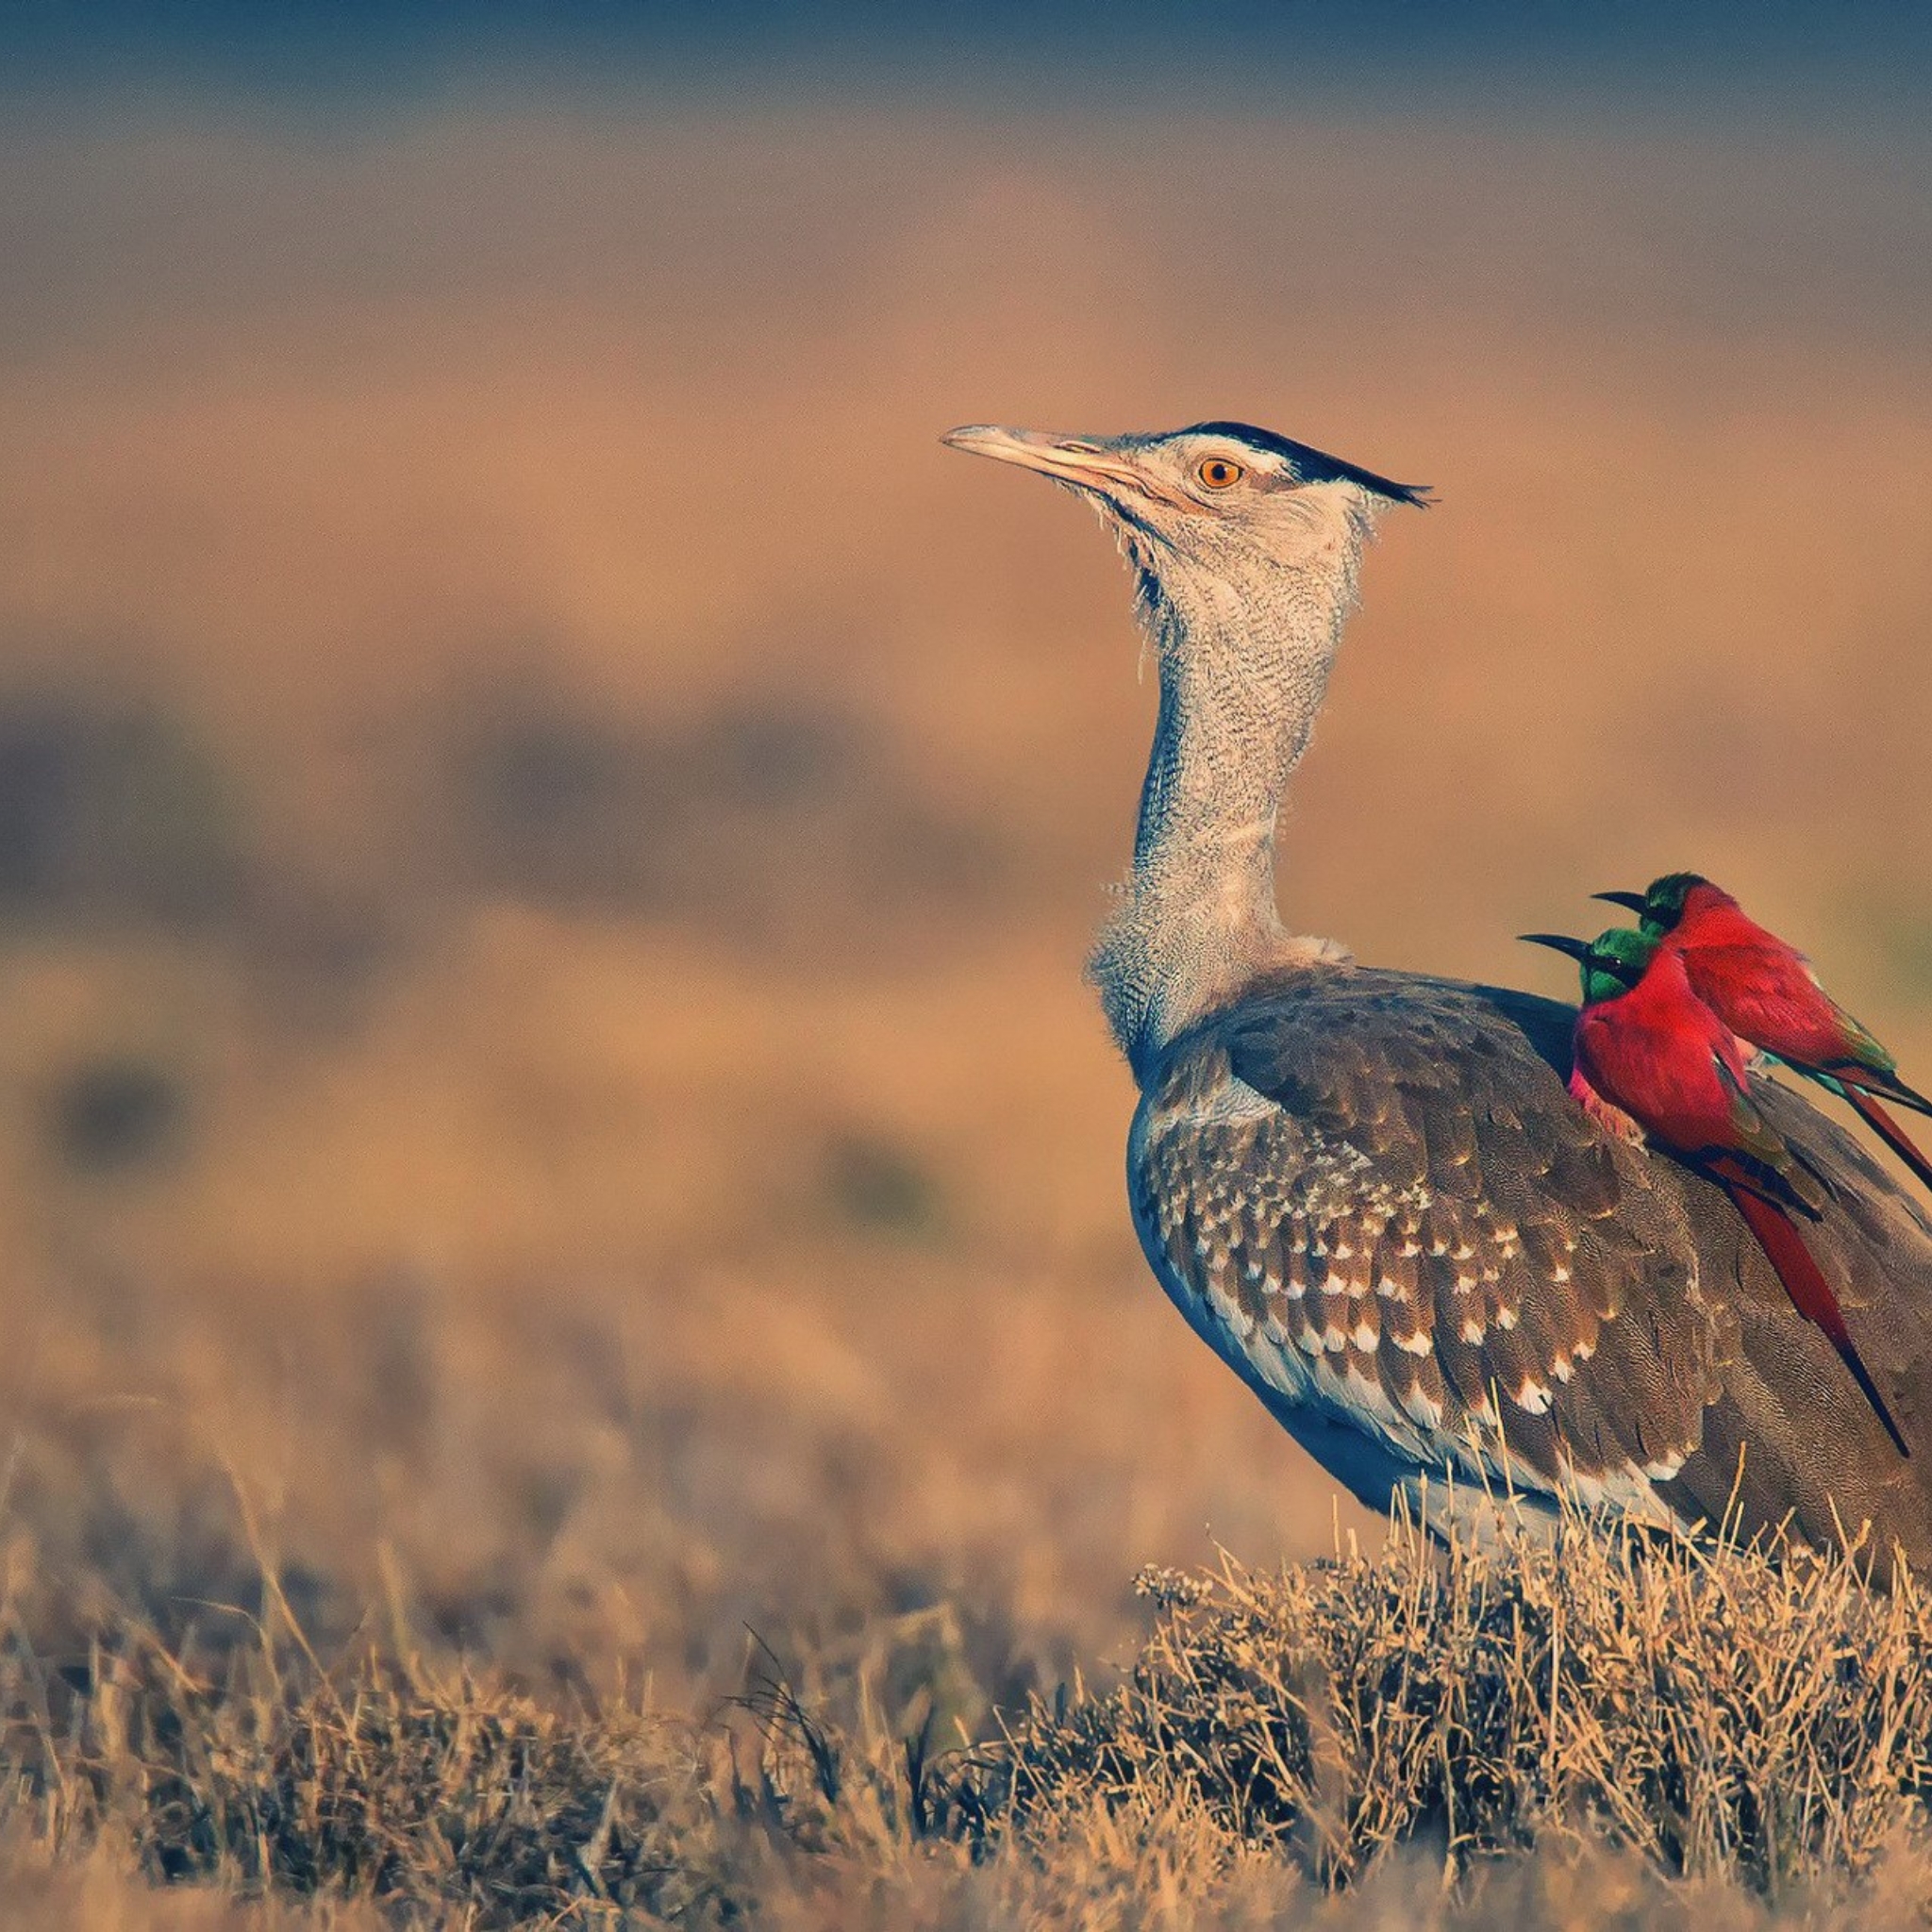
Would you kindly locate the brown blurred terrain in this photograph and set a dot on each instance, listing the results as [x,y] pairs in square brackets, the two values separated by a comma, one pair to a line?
[547,830]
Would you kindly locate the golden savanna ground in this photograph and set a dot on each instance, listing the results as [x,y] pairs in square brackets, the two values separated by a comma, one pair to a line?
[547,832]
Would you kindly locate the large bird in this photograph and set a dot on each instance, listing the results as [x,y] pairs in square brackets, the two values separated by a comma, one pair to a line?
[1369,1191]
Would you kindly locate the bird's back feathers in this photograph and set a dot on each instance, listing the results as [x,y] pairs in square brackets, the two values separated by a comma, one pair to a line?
[1373,1194]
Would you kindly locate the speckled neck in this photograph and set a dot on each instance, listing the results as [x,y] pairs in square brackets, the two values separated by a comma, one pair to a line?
[1244,656]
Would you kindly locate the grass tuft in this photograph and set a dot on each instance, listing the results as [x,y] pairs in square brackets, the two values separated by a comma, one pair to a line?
[1723,1715]
[376,1784]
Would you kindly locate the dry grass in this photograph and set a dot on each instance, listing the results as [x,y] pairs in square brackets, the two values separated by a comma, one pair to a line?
[1616,1708]
[1722,1715]
[547,1115]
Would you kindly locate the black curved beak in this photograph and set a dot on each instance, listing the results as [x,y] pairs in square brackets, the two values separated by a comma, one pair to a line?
[1630,902]
[1577,949]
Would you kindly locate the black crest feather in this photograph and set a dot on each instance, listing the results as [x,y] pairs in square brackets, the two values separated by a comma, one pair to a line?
[1314,465]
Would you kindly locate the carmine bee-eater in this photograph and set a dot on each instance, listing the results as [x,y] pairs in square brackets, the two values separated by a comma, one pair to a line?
[1765,992]
[1646,1043]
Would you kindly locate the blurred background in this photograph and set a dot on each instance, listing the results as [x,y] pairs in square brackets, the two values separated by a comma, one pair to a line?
[548,832]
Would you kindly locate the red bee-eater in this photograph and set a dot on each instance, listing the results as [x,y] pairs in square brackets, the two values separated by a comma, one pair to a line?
[1647,1044]
[1765,992]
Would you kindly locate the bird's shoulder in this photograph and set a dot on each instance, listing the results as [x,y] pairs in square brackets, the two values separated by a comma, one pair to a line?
[1403,1067]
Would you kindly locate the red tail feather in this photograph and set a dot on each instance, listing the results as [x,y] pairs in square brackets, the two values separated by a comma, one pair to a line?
[1855,1078]
[1891,1133]
[1811,1293]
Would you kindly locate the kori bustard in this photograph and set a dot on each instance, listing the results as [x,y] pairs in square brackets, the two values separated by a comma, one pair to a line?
[1369,1191]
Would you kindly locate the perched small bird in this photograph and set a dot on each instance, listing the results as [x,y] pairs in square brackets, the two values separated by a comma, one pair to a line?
[1650,1046]
[1767,994]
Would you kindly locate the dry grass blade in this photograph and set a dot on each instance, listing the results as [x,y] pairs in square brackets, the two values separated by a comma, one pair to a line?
[780,1712]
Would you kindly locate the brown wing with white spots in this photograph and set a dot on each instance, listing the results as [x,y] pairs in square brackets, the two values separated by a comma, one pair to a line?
[1376,1198]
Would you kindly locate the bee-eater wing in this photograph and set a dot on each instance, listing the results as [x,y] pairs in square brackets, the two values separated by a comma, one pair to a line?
[1756,1138]
[1863,1048]
[1850,1074]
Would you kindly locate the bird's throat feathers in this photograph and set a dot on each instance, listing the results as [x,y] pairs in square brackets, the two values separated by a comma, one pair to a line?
[1243,645]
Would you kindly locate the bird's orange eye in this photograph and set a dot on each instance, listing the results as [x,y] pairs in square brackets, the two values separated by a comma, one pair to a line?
[1218,472]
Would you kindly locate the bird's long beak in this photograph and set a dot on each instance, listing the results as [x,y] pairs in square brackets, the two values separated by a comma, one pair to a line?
[1076,459]
[1577,949]
[1630,902]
